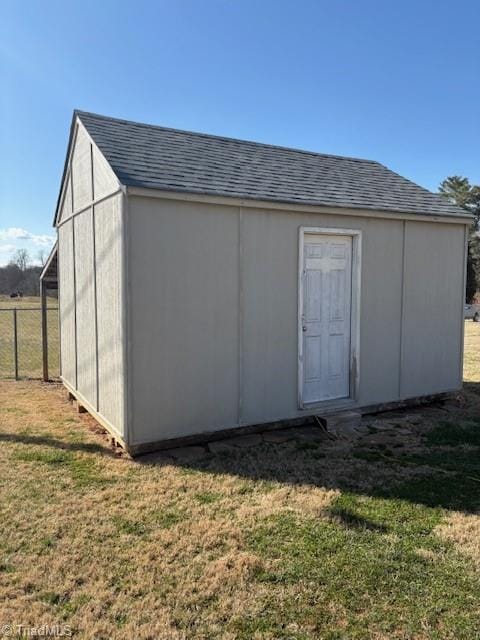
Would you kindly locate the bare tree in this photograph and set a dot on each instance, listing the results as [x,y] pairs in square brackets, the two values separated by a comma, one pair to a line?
[10,278]
[42,256]
[21,259]
[459,191]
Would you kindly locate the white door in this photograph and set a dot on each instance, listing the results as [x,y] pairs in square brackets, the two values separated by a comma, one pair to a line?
[326,317]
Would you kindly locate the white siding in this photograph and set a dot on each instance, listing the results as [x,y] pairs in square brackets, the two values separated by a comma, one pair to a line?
[81,170]
[213,313]
[433,319]
[104,180]
[66,209]
[67,302]
[90,254]
[108,244]
[184,318]
[85,305]
[381,310]
[270,277]
[84,162]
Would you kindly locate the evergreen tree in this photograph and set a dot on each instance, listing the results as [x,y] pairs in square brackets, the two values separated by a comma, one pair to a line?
[459,191]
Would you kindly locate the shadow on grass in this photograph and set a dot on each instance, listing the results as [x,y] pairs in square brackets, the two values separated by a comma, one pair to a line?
[436,475]
[351,520]
[425,484]
[88,447]
[443,472]
[472,387]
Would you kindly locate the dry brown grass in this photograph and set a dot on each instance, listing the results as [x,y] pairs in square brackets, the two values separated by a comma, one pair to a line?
[26,301]
[471,361]
[29,332]
[117,548]
[464,531]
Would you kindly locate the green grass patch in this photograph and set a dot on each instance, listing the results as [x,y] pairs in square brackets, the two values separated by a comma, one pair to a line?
[461,460]
[453,433]
[130,527]
[46,543]
[375,567]
[43,456]
[83,470]
[63,603]
[207,497]
[449,492]
[367,455]
[306,446]
[50,597]
[246,488]
[169,518]
[6,567]
[13,411]
[29,334]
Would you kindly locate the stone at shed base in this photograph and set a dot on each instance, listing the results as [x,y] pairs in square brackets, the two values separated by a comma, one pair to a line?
[246,441]
[156,457]
[363,428]
[278,437]
[345,423]
[221,446]
[310,433]
[186,453]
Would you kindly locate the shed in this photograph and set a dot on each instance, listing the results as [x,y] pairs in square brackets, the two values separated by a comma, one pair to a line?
[208,283]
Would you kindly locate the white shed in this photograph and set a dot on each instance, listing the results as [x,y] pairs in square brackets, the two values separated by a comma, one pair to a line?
[208,284]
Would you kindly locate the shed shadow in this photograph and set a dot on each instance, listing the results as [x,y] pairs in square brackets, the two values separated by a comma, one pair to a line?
[55,443]
[446,477]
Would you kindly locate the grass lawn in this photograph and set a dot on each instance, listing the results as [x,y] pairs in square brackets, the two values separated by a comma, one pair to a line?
[379,538]
[29,333]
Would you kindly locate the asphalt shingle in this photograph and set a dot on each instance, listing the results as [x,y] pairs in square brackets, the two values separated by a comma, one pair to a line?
[169,159]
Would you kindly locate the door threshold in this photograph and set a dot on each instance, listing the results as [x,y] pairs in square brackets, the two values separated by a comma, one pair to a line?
[330,405]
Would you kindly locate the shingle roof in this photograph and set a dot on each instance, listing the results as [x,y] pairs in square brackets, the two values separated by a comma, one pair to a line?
[156,157]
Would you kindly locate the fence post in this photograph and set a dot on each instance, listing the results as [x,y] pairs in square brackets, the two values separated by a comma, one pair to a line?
[15,342]
[43,298]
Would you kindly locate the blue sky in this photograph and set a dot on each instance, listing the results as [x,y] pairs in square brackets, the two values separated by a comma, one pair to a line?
[397,82]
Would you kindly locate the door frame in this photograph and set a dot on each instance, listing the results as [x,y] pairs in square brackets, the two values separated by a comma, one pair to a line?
[356,236]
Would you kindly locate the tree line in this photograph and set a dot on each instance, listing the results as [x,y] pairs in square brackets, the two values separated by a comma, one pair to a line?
[19,275]
[459,191]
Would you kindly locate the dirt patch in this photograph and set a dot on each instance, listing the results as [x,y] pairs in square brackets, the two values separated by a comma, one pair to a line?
[464,531]
[297,536]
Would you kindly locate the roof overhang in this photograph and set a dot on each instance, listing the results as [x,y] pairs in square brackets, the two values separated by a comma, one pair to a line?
[49,274]
[295,207]
[65,167]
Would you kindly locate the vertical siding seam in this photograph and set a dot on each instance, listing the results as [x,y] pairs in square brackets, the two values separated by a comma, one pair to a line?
[352,356]
[75,302]
[59,304]
[95,298]
[300,278]
[402,312]
[356,312]
[71,192]
[74,142]
[92,191]
[240,315]
[126,347]
[89,205]
[462,316]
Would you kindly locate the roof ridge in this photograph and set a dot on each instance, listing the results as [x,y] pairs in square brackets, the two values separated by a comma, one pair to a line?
[157,157]
[213,136]
[414,184]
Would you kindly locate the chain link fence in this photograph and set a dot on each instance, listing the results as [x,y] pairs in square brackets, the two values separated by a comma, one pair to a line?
[21,350]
